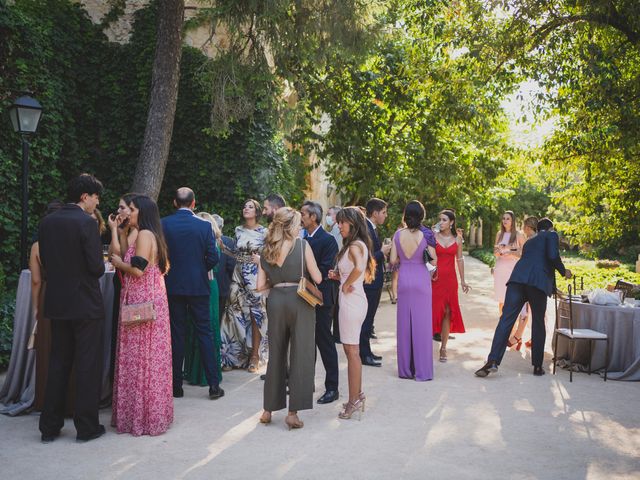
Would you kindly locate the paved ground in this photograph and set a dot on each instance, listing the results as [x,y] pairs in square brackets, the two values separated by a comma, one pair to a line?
[512,425]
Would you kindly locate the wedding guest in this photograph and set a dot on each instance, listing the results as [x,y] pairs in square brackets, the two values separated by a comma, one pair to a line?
[356,266]
[193,370]
[376,216]
[507,250]
[122,235]
[447,317]
[225,268]
[245,323]
[284,259]
[333,224]
[414,324]
[192,250]
[532,280]
[42,326]
[71,255]
[324,250]
[142,389]
[271,205]
[529,228]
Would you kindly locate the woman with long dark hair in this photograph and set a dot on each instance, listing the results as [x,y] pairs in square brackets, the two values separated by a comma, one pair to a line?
[355,266]
[447,317]
[414,325]
[142,386]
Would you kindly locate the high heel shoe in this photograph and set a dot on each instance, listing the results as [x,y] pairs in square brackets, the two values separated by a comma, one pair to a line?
[517,343]
[527,344]
[361,398]
[253,365]
[293,421]
[265,418]
[443,355]
[351,408]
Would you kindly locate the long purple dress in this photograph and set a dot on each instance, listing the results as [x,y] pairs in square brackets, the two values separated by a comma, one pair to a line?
[414,331]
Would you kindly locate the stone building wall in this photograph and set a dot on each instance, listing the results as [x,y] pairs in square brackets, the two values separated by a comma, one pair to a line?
[318,186]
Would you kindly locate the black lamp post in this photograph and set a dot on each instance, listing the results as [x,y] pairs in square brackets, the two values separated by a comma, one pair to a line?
[25,115]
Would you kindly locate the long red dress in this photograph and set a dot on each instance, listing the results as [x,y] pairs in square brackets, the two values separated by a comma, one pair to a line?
[143,380]
[445,290]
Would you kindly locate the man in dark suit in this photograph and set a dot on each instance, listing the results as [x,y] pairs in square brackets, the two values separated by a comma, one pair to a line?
[192,253]
[532,280]
[325,251]
[376,216]
[71,255]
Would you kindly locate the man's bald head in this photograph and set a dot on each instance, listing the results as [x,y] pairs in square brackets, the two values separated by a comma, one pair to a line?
[185,198]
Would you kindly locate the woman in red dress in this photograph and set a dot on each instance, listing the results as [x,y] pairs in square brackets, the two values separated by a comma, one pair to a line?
[446,309]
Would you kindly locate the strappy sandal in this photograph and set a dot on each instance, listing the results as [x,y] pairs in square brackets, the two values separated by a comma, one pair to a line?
[443,355]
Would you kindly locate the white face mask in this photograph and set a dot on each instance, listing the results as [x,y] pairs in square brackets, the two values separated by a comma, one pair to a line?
[329,220]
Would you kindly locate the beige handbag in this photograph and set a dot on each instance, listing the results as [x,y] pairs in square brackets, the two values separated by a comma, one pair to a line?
[309,292]
[134,313]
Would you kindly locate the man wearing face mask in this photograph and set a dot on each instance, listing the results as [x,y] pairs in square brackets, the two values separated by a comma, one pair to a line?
[333,225]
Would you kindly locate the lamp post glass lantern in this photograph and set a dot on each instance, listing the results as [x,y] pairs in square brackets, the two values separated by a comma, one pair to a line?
[25,115]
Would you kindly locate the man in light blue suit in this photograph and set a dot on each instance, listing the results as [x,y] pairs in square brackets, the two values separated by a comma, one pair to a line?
[192,254]
[532,280]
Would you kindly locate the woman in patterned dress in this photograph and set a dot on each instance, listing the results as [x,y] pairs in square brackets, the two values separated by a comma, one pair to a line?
[244,325]
[142,385]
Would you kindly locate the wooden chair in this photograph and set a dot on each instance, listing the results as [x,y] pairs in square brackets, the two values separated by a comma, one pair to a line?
[564,311]
[626,287]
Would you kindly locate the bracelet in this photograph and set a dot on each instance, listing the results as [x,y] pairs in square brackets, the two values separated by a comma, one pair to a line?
[461,259]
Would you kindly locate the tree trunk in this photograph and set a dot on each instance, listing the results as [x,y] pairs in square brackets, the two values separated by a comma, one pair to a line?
[164,96]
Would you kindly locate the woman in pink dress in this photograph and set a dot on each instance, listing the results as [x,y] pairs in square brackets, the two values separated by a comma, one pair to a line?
[447,317]
[355,266]
[507,250]
[142,384]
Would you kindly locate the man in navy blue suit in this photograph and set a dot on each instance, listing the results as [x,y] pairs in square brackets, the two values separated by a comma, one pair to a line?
[532,280]
[325,251]
[376,216]
[192,254]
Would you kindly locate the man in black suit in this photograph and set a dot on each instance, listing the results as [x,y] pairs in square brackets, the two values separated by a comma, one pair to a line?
[71,255]
[376,216]
[192,253]
[532,280]
[325,251]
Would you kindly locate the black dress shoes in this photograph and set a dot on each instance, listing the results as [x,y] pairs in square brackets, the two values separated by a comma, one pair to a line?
[370,362]
[178,392]
[490,367]
[215,392]
[49,437]
[329,396]
[87,438]
[377,358]
[437,337]
[263,376]
[538,371]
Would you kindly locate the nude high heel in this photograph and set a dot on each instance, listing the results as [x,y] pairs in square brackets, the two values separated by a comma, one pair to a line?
[351,408]
[293,421]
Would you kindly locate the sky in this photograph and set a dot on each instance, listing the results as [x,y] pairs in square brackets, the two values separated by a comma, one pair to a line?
[526,133]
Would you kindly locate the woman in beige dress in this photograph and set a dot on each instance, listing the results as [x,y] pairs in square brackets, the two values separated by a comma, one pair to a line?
[355,266]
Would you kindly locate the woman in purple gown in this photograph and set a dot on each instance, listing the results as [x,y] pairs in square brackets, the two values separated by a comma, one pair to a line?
[414,327]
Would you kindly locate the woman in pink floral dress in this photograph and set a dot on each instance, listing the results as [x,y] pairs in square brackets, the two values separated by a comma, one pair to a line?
[142,385]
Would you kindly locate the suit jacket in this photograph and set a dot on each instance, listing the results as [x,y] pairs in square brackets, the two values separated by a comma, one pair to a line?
[379,257]
[192,253]
[540,258]
[225,268]
[325,251]
[71,255]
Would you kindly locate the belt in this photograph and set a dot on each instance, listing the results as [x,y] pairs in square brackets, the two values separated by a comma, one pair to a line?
[285,284]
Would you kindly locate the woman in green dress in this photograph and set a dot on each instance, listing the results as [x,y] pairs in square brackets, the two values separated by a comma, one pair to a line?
[193,369]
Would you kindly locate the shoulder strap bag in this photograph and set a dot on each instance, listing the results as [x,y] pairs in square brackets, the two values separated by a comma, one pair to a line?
[308,290]
[134,313]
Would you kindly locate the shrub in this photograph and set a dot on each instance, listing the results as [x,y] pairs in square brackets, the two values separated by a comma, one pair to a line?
[607,264]
[485,255]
